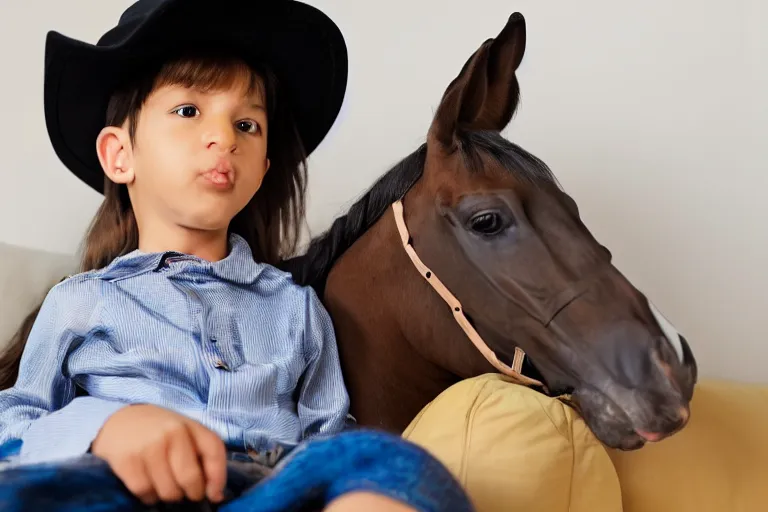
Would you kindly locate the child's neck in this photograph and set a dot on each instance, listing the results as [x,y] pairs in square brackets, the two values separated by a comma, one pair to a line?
[208,245]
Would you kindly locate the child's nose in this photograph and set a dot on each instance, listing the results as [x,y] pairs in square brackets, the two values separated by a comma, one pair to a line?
[220,135]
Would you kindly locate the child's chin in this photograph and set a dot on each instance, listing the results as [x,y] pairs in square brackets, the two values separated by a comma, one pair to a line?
[204,222]
[205,213]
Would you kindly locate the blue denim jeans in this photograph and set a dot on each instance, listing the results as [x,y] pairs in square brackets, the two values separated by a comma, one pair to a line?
[308,478]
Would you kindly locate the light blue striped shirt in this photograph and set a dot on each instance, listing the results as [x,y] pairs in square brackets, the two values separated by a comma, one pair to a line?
[235,345]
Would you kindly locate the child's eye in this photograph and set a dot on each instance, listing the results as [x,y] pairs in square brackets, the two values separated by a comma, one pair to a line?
[248,126]
[187,111]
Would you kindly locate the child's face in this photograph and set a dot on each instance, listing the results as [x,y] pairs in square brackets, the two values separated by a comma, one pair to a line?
[198,157]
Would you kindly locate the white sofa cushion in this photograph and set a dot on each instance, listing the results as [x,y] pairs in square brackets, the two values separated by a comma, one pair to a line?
[26,275]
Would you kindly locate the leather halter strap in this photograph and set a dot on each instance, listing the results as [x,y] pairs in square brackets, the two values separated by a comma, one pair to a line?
[514,372]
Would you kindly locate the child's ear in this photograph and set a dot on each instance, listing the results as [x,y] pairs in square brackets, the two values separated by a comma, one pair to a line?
[113,146]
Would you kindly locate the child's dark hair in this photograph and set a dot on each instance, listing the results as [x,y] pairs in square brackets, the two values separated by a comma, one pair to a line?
[270,223]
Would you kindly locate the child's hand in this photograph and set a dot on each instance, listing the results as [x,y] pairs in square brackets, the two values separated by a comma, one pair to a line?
[158,453]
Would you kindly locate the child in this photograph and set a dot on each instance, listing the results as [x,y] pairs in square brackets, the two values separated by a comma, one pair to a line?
[180,366]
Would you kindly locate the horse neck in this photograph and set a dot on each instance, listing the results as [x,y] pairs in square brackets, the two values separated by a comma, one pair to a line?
[399,344]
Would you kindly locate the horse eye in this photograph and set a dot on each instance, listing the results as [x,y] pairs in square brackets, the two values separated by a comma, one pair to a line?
[487,223]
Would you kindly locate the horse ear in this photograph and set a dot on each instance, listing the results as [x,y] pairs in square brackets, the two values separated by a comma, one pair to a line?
[485,94]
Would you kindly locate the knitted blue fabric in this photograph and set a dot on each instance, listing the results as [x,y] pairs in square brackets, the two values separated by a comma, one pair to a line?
[308,478]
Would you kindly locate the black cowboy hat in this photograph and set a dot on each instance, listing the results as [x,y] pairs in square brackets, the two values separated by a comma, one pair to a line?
[301,45]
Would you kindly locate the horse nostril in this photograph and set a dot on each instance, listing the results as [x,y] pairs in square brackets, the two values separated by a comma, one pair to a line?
[679,420]
[663,365]
[666,360]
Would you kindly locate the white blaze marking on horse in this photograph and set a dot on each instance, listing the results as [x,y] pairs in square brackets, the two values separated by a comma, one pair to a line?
[669,331]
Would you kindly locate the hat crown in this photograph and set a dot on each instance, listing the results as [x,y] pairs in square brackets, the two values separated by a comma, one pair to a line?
[140,9]
[132,17]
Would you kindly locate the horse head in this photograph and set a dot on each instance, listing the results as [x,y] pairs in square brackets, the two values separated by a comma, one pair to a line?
[491,223]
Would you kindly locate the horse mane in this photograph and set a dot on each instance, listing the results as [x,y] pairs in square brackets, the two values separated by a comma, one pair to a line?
[312,267]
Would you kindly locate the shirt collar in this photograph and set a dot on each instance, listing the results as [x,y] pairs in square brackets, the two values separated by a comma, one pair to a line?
[238,266]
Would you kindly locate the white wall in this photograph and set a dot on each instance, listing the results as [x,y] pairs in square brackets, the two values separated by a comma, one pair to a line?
[649,112]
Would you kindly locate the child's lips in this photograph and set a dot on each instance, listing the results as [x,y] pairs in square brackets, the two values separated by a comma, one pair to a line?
[221,176]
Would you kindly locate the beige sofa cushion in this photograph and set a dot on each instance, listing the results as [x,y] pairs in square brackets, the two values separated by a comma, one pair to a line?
[515,449]
[717,463]
[26,275]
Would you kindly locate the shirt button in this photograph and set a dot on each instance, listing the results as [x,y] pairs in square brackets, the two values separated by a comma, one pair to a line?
[221,365]
[213,340]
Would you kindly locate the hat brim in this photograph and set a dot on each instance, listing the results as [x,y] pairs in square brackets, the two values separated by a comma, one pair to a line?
[300,44]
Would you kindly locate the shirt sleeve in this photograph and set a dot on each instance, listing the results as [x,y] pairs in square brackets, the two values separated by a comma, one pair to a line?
[39,410]
[323,400]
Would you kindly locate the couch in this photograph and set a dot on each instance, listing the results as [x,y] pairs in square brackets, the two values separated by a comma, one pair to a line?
[516,450]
